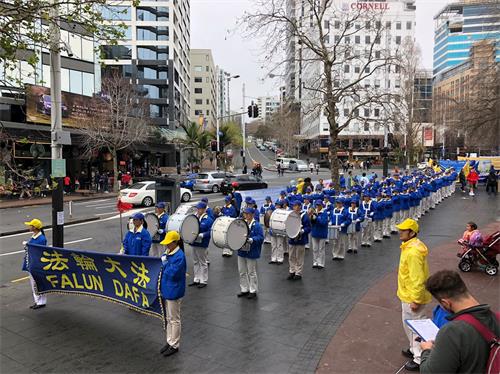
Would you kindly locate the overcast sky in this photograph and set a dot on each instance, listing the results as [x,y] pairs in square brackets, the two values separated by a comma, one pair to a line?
[213,25]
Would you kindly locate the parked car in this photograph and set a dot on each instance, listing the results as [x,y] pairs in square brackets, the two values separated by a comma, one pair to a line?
[285,162]
[297,165]
[243,182]
[209,182]
[143,193]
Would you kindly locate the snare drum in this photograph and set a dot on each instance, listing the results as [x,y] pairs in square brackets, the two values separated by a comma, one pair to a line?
[333,232]
[187,225]
[228,232]
[285,223]
[351,229]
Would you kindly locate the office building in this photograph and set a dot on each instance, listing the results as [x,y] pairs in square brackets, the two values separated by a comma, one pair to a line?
[422,103]
[458,26]
[203,88]
[267,105]
[222,93]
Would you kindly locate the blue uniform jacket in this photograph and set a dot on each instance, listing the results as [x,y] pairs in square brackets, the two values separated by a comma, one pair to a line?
[320,225]
[39,239]
[205,226]
[163,218]
[264,208]
[367,209]
[306,228]
[387,209]
[257,235]
[137,243]
[379,208]
[340,218]
[229,211]
[356,217]
[396,203]
[405,201]
[295,196]
[173,277]
[238,200]
[329,192]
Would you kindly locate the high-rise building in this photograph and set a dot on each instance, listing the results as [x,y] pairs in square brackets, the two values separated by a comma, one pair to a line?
[203,88]
[222,98]
[154,53]
[458,26]
[267,105]
[422,102]
[365,134]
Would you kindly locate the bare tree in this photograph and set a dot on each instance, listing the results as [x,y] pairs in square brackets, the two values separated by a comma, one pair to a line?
[336,72]
[285,123]
[119,119]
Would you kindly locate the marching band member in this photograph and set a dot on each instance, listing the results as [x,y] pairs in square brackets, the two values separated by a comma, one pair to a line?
[172,289]
[340,219]
[266,208]
[138,241]
[405,204]
[254,205]
[378,218]
[396,209]
[354,229]
[281,197]
[157,249]
[297,245]
[278,242]
[236,197]
[294,195]
[247,259]
[319,234]
[228,210]
[38,237]
[386,224]
[329,191]
[210,212]
[368,211]
[305,209]
[200,247]
[245,204]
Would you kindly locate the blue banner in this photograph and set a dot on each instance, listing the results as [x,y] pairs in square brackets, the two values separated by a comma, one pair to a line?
[129,280]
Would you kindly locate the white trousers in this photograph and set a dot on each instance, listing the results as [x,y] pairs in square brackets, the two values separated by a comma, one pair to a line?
[386,226]
[395,220]
[227,251]
[39,299]
[339,246]
[277,248]
[353,240]
[377,229]
[173,330]
[200,262]
[318,247]
[296,259]
[247,268]
[367,233]
[156,250]
[403,214]
[407,313]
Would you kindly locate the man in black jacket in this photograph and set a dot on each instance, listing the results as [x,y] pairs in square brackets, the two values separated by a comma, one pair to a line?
[459,347]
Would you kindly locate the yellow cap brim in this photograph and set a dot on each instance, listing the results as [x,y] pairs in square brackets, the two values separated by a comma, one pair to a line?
[166,241]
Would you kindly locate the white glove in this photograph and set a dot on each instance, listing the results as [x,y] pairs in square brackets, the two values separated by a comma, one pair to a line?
[200,236]
[342,225]
[25,242]
[250,240]
[161,231]
[301,232]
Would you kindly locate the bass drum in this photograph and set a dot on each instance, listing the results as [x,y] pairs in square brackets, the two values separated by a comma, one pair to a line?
[185,209]
[153,225]
[228,232]
[187,226]
[285,223]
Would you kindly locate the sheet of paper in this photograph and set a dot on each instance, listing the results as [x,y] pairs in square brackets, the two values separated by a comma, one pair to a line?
[425,328]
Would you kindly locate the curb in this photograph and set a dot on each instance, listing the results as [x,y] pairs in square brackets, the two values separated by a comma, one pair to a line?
[20,231]
[35,203]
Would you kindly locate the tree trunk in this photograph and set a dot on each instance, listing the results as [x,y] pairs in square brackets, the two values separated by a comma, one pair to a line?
[332,155]
[115,169]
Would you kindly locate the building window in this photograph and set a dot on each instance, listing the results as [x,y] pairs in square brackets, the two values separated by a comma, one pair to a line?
[366,112]
[388,83]
[367,69]
[377,39]
[326,24]
[388,25]
[397,69]
[366,126]
[366,83]
[357,69]
[397,83]
[88,84]
[75,81]
[357,26]
[117,52]
[377,83]
[378,25]
[199,102]
[198,79]
[198,112]
[377,54]
[208,112]
[367,39]
[337,24]
[347,40]
[398,39]
[367,25]
[152,14]
[346,68]
[398,25]
[207,68]
[357,39]
[198,68]
[198,90]
[337,39]
[408,25]
[356,112]
[336,83]
[346,112]
[116,13]
[207,101]
[376,112]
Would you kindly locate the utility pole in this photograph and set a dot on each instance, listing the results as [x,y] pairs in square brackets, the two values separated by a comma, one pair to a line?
[56,127]
[243,126]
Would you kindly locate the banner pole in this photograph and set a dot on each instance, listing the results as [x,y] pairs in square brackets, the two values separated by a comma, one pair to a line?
[121,228]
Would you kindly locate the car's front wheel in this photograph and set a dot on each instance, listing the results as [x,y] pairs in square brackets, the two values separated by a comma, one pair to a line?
[185,197]
[148,201]
[215,188]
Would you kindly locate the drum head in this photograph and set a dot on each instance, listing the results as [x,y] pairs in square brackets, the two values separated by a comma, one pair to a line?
[237,234]
[185,209]
[292,225]
[190,228]
[153,225]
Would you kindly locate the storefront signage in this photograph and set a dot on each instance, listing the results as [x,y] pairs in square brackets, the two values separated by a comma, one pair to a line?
[58,168]
[370,6]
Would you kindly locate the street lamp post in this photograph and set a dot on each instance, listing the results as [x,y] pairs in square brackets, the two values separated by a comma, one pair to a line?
[228,78]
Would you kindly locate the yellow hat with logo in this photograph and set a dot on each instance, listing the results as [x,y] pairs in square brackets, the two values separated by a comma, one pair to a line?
[408,224]
[36,223]
[172,236]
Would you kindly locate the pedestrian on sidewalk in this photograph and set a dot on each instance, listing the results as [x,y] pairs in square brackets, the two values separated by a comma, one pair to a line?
[278,167]
[311,167]
[462,179]
[317,168]
[459,346]
[413,272]
[472,178]
[491,181]
[38,237]
[172,288]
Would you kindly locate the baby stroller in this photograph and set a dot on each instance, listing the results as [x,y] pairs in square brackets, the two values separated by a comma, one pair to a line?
[483,256]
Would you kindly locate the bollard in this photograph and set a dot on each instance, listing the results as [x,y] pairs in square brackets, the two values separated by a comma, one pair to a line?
[70,203]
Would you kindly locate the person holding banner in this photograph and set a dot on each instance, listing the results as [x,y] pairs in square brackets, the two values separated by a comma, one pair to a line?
[137,242]
[162,219]
[172,288]
[38,237]
[200,247]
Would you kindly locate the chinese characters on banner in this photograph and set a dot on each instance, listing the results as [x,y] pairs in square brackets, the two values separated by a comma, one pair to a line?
[129,280]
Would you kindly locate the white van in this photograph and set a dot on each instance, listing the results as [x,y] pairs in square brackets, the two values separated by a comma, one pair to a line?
[285,162]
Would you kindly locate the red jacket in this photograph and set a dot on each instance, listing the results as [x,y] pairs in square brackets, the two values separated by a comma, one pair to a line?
[473,177]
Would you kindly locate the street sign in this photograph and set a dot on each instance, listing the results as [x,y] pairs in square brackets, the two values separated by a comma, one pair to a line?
[58,168]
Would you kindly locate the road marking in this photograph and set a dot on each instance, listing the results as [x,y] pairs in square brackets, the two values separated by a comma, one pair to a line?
[90,202]
[11,253]
[106,207]
[103,214]
[21,251]
[19,279]
[100,205]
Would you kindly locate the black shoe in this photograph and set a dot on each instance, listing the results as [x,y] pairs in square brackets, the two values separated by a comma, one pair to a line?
[407,353]
[394,232]
[37,306]
[272,262]
[285,254]
[252,295]
[164,349]
[291,276]
[368,245]
[355,251]
[315,266]
[412,366]
[377,240]
[319,267]
[297,277]
[386,236]
[243,294]
[349,251]
[170,351]
[279,262]
[193,284]
[202,285]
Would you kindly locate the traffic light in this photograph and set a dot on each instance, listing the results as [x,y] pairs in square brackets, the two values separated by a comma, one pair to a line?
[255,111]
[213,145]
[250,111]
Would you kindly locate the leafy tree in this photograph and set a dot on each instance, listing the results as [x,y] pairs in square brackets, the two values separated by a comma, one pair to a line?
[196,141]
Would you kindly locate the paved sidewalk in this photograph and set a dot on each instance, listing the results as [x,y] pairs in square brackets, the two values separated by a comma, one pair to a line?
[16,203]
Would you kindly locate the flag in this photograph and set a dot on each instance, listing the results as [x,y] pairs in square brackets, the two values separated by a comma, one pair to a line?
[466,169]
[123,207]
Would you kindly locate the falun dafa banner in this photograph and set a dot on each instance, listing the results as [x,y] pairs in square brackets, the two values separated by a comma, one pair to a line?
[132,281]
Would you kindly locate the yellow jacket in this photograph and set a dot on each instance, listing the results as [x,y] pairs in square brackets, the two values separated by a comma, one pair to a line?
[300,187]
[413,272]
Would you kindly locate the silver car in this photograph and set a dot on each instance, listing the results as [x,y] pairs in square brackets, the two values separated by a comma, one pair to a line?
[210,181]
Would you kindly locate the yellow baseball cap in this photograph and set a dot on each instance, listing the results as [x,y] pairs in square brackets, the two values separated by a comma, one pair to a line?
[172,236]
[408,224]
[36,223]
